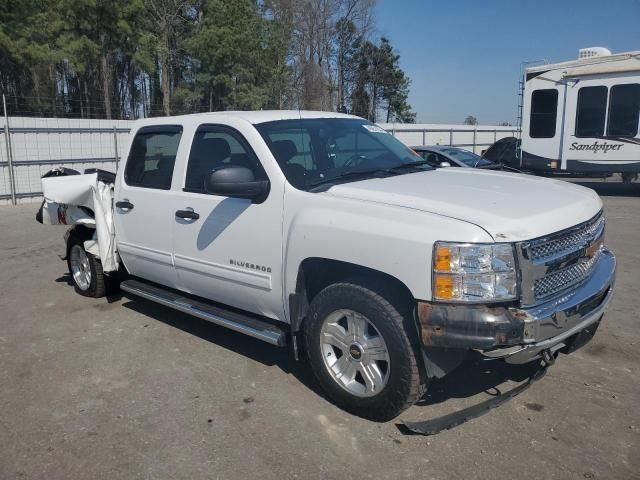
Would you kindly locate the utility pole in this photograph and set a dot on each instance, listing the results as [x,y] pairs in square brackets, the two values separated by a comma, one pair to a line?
[7,143]
[116,156]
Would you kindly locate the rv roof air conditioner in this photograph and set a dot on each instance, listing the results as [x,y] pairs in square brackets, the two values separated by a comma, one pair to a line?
[593,52]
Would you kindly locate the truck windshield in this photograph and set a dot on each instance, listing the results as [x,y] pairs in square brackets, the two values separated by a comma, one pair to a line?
[323,151]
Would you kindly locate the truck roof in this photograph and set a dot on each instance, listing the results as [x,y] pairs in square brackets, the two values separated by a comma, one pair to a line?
[592,65]
[253,117]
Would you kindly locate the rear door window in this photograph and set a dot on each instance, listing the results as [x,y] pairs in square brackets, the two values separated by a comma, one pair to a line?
[544,109]
[152,157]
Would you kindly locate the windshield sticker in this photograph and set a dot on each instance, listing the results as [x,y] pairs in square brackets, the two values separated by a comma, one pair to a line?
[374,129]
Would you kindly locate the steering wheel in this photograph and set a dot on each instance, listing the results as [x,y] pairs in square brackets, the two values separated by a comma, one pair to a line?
[353,161]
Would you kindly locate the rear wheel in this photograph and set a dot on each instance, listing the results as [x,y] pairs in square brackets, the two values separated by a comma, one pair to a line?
[362,351]
[85,270]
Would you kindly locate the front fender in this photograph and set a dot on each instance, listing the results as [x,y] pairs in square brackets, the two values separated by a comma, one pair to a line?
[394,240]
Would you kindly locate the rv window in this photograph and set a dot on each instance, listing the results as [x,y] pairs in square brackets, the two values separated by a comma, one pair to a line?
[544,105]
[592,108]
[624,109]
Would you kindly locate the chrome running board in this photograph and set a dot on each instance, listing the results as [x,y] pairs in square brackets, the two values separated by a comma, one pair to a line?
[233,320]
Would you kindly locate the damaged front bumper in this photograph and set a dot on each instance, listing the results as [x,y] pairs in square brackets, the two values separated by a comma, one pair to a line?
[520,335]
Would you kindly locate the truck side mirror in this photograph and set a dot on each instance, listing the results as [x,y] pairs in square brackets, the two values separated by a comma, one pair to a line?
[239,182]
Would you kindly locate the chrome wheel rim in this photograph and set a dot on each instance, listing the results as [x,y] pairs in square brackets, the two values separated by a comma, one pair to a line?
[354,353]
[80,268]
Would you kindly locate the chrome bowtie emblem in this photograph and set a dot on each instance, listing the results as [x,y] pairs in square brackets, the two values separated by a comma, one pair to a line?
[594,248]
[355,351]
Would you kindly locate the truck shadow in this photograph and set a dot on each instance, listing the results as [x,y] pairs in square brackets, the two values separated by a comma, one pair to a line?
[65,278]
[612,188]
[114,293]
[252,348]
[474,376]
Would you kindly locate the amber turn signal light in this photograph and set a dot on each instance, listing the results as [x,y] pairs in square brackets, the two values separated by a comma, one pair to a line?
[444,287]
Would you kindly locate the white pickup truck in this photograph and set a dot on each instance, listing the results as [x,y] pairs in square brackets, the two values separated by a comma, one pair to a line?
[323,232]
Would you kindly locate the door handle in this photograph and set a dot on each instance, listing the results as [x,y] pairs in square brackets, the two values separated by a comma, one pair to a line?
[187,214]
[124,204]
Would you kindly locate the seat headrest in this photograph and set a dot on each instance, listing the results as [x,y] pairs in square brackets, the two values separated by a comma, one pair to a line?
[210,151]
[138,149]
[165,164]
[218,148]
[284,150]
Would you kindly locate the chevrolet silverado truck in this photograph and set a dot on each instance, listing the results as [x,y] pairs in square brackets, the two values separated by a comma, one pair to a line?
[322,232]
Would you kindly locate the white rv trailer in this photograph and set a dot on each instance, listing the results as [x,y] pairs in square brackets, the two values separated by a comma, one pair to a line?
[582,115]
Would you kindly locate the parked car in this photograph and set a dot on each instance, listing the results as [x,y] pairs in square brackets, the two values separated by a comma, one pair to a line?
[447,156]
[323,232]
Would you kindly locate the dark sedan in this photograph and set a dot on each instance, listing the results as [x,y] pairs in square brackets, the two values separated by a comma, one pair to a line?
[447,156]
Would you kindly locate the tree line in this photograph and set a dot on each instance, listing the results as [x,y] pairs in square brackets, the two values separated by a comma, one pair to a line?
[139,58]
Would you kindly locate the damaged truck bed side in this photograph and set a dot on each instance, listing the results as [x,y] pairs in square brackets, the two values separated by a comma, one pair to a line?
[323,232]
[84,200]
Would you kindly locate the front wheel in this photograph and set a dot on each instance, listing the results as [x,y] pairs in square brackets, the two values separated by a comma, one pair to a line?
[363,352]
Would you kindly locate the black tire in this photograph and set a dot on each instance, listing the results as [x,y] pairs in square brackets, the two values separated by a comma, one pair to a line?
[97,285]
[404,384]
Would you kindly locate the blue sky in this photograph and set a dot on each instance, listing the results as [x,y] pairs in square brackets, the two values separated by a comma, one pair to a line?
[463,57]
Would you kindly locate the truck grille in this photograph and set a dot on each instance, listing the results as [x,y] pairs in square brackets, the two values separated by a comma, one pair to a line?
[545,250]
[557,262]
[563,279]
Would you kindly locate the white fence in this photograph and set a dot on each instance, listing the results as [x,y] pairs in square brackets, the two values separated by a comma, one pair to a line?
[476,138]
[37,145]
[30,147]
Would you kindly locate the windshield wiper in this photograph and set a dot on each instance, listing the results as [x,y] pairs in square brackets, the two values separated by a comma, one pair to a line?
[399,168]
[357,173]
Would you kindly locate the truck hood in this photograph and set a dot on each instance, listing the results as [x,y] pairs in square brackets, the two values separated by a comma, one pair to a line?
[509,206]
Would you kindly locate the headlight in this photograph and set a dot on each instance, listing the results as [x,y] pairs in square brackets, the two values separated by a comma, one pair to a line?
[474,272]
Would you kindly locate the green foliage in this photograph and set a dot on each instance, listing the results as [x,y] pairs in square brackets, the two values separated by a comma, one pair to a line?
[135,58]
[228,44]
[348,40]
[380,84]
[471,120]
